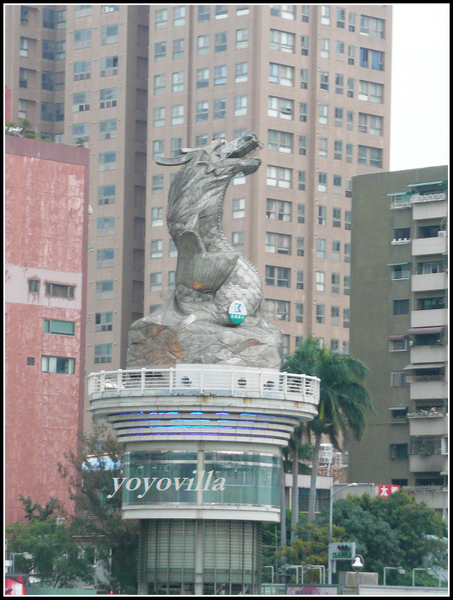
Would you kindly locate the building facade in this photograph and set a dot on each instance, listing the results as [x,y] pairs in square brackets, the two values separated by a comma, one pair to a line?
[46,221]
[399,314]
[137,82]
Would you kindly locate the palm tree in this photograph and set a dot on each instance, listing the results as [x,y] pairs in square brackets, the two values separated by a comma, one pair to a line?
[343,399]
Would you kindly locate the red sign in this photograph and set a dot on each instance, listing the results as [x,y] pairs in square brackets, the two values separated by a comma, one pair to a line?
[385,490]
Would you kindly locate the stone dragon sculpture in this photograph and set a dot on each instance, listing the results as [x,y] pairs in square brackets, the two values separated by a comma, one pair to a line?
[210,273]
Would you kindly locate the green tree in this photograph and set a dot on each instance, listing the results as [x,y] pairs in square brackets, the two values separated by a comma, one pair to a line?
[56,558]
[97,517]
[343,399]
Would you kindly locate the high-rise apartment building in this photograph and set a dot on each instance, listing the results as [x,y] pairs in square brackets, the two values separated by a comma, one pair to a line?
[399,316]
[138,82]
[313,82]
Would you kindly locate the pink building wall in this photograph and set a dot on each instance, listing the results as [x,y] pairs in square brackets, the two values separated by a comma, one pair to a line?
[46,219]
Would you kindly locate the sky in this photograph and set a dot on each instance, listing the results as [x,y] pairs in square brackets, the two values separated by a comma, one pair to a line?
[419,126]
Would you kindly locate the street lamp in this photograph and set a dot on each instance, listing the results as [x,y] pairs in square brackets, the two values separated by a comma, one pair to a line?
[400,570]
[357,565]
[332,494]
[428,570]
[270,567]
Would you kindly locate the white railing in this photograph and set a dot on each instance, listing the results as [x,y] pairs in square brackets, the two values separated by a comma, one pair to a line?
[196,380]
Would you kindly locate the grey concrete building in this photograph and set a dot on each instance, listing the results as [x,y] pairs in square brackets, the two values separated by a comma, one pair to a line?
[399,289]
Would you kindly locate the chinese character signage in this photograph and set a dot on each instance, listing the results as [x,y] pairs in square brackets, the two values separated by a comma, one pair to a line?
[385,490]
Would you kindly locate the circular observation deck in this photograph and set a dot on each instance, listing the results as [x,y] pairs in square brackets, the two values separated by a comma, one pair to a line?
[203,402]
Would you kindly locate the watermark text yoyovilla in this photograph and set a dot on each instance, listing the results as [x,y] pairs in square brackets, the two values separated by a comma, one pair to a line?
[204,481]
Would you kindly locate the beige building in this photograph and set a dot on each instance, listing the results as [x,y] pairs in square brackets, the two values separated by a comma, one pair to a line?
[135,82]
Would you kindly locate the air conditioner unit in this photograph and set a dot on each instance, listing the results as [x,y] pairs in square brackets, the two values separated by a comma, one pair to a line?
[442,234]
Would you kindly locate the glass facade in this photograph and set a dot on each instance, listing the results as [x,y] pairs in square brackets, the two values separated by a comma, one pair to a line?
[169,476]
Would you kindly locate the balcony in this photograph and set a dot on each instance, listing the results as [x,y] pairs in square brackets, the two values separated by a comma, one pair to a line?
[430,210]
[434,463]
[429,318]
[427,282]
[428,354]
[427,390]
[430,245]
[424,422]
[434,496]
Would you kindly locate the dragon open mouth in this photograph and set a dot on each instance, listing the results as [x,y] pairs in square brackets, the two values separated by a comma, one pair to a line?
[240,147]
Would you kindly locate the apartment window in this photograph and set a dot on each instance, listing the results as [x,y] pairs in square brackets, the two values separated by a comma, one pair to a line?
[300,280]
[220,42]
[242,38]
[107,161]
[301,213]
[201,113]
[401,307]
[80,131]
[108,8]
[156,249]
[372,124]
[320,281]
[341,18]
[158,149]
[23,78]
[371,59]
[23,109]
[282,40]
[160,18]
[80,101]
[323,114]
[103,353]
[336,217]
[346,317]
[373,26]
[160,50]
[280,141]
[320,314]
[300,242]
[322,147]
[303,111]
[324,80]
[347,219]
[277,309]
[108,129]
[280,107]
[82,38]
[177,114]
[338,116]
[159,117]
[48,49]
[322,182]
[177,82]
[82,70]
[334,315]
[238,208]
[155,282]
[399,379]
[61,19]
[47,80]
[282,74]
[369,156]
[398,345]
[279,177]
[237,239]
[321,215]
[299,312]
[178,48]
[106,194]
[335,284]
[301,175]
[58,364]
[59,327]
[325,47]
[346,285]
[278,243]
[179,16]
[352,16]
[351,87]
[321,248]
[325,14]
[303,78]
[82,10]
[157,183]
[220,75]
[221,11]
[219,108]
[24,44]
[337,184]
[109,34]
[105,226]
[204,12]
[109,65]
[338,150]
[339,50]
[202,78]
[347,253]
[108,97]
[47,111]
[278,210]
[105,258]
[241,72]
[157,216]
[58,290]
[433,303]
[203,45]
[339,83]
[33,286]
